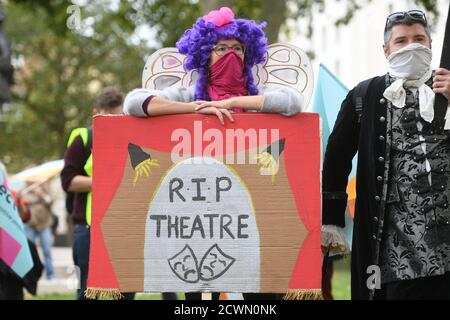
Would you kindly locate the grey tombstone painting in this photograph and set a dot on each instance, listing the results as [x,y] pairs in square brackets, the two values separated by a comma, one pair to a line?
[201,232]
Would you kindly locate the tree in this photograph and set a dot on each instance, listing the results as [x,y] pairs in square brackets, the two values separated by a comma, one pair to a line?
[172,17]
[61,73]
[62,70]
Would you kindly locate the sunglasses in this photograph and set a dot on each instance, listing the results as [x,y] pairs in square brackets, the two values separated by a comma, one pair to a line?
[396,17]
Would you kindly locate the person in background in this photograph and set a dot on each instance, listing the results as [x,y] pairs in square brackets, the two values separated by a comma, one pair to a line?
[39,226]
[76,177]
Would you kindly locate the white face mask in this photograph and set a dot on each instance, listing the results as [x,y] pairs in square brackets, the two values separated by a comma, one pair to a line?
[410,62]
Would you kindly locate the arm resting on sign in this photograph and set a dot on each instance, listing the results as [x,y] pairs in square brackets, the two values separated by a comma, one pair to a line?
[271,99]
[282,99]
[159,106]
[167,101]
[179,100]
[249,103]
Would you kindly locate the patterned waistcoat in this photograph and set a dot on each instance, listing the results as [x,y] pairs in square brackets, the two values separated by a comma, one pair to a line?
[416,235]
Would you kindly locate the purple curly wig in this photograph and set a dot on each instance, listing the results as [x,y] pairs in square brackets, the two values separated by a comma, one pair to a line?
[197,43]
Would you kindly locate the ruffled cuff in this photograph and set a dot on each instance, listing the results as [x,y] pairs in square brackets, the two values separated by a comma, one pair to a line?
[334,238]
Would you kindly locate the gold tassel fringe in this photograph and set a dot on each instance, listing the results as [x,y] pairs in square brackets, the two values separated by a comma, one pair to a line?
[102,293]
[304,294]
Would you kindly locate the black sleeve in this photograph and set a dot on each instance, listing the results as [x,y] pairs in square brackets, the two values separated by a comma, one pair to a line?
[342,147]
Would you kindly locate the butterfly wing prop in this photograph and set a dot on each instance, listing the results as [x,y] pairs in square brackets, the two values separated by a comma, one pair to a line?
[286,65]
[164,68]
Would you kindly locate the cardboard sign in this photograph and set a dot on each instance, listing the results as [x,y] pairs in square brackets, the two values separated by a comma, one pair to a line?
[181,203]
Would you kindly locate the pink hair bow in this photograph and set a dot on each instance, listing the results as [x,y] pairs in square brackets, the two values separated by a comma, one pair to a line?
[220,17]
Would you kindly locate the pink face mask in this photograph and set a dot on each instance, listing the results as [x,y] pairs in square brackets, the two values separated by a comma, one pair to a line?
[227,78]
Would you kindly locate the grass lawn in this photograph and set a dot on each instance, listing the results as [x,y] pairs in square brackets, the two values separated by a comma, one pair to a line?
[340,286]
[149,296]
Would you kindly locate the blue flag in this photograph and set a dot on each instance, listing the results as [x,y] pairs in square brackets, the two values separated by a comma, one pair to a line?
[14,249]
[330,92]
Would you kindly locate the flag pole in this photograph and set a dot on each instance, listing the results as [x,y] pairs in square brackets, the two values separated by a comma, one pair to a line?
[441,102]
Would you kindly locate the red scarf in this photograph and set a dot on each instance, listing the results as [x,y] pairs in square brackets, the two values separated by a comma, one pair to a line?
[227,79]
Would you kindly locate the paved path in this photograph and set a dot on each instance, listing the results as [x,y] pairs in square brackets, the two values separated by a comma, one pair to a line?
[65,277]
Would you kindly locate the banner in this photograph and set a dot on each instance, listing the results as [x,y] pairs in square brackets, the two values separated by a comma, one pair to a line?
[181,203]
[14,250]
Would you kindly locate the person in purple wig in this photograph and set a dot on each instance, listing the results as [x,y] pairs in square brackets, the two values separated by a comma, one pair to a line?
[223,50]
[208,33]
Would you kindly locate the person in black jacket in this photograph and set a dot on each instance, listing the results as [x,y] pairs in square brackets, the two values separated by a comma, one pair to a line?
[401,237]
[74,178]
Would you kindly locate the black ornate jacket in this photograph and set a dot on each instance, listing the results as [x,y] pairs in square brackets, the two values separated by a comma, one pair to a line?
[369,138]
